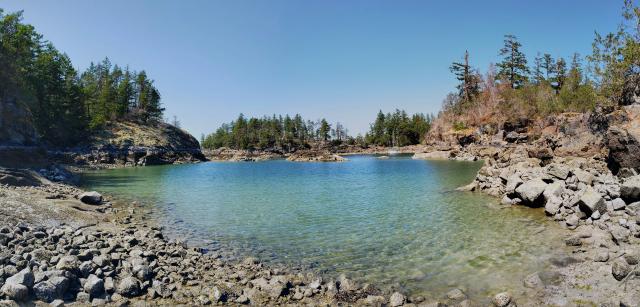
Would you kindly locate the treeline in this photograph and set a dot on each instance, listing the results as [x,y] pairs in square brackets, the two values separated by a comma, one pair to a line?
[276,132]
[290,133]
[517,88]
[67,105]
[398,129]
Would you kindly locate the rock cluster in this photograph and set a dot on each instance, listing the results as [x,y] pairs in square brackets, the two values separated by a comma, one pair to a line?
[133,261]
[575,191]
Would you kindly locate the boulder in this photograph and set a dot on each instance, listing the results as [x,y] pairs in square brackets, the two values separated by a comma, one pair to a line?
[552,206]
[531,192]
[45,291]
[15,292]
[68,263]
[620,269]
[513,182]
[91,198]
[553,190]
[624,149]
[583,176]
[591,201]
[630,189]
[24,277]
[397,299]
[94,286]
[502,299]
[558,170]
[434,155]
[128,287]
[618,204]
[572,220]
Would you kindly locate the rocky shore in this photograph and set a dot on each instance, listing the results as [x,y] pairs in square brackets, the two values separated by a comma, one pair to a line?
[63,246]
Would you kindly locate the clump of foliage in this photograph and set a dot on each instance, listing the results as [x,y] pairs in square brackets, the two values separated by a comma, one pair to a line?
[276,133]
[398,129]
[67,105]
[551,85]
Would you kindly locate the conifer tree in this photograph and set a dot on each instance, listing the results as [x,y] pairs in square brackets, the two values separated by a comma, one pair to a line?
[513,67]
[469,81]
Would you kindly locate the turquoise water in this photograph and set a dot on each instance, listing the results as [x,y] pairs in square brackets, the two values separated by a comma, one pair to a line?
[397,223]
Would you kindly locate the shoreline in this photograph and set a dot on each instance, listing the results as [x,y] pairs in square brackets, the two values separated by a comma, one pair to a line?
[585,240]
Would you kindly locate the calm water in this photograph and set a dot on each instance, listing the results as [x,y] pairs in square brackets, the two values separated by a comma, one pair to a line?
[397,222]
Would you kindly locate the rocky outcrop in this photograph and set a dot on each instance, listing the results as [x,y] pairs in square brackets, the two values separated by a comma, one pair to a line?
[135,144]
[16,125]
[433,155]
[234,155]
[315,156]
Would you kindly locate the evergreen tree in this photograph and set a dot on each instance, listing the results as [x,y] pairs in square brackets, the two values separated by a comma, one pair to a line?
[549,66]
[324,130]
[537,69]
[469,86]
[561,74]
[513,67]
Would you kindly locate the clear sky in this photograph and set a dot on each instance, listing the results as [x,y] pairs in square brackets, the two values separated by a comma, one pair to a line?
[339,59]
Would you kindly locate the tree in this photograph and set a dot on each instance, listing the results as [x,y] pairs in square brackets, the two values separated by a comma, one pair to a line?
[513,67]
[323,130]
[537,69]
[469,81]
[561,74]
[549,66]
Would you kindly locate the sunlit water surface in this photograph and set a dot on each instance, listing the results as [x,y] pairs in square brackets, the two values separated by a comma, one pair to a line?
[397,223]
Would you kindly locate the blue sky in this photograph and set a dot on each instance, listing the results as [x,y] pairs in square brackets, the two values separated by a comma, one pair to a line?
[342,60]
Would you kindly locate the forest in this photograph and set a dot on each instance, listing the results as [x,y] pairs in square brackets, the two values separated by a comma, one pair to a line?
[68,105]
[290,133]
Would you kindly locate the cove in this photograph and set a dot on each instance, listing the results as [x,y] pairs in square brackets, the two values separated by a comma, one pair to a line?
[397,223]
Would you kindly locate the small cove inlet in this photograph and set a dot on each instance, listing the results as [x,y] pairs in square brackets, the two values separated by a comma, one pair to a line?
[397,223]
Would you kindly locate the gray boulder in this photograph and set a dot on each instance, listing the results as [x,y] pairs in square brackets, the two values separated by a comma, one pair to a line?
[502,299]
[513,182]
[558,170]
[24,277]
[620,269]
[128,287]
[583,176]
[591,201]
[531,192]
[15,292]
[630,189]
[45,291]
[91,198]
[618,204]
[552,206]
[94,286]
[68,263]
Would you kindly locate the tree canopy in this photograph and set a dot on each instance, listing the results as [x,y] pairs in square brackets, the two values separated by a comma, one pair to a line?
[67,105]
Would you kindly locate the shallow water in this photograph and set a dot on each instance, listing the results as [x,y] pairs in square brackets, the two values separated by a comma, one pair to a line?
[397,223]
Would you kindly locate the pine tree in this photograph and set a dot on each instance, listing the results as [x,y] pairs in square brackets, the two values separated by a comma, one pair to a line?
[549,66]
[513,67]
[469,81]
[324,130]
[537,69]
[561,74]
